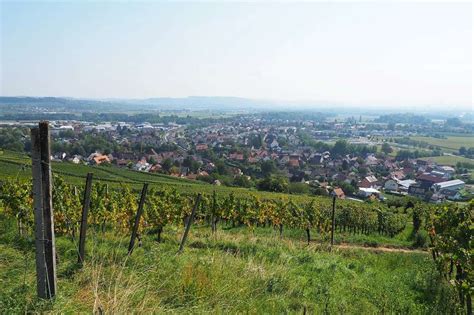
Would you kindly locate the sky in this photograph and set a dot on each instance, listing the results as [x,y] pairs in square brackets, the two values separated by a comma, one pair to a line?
[388,54]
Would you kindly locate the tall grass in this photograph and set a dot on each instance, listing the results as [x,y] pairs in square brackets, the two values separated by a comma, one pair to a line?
[233,271]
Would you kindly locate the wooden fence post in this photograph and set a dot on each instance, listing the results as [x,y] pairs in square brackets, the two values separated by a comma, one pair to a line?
[38,209]
[190,221]
[44,223]
[85,210]
[333,219]
[137,218]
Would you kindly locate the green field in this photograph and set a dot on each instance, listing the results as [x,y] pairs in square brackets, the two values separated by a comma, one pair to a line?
[235,271]
[452,143]
[448,159]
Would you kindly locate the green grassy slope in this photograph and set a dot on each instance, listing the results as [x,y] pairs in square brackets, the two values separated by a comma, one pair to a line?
[235,271]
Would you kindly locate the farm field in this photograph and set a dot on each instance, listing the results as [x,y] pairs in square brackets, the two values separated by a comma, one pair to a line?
[237,270]
[448,159]
[452,143]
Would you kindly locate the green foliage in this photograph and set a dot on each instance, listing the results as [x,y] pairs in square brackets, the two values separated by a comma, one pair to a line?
[451,233]
[274,184]
[236,271]
[114,210]
[298,188]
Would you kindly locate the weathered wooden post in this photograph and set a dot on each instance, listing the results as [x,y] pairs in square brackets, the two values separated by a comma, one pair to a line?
[43,207]
[137,218]
[333,219]
[38,209]
[85,210]
[188,224]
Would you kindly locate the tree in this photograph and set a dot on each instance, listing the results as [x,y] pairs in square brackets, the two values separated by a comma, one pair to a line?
[273,183]
[268,167]
[167,164]
[221,167]
[462,151]
[243,181]
[386,148]
[340,148]
[298,188]
[256,141]
[345,165]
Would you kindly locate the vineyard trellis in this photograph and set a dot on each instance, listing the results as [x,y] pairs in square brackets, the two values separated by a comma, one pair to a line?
[167,206]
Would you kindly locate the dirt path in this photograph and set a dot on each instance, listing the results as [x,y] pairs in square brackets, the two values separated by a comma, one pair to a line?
[380,248]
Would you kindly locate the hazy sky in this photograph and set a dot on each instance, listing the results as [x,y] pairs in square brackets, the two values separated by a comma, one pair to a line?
[391,53]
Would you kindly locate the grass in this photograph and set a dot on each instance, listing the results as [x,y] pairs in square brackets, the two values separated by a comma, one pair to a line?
[451,143]
[236,271]
[449,159]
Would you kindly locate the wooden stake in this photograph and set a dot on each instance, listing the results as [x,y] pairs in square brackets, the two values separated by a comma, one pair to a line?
[137,218]
[333,219]
[44,222]
[85,210]
[48,217]
[188,225]
[38,209]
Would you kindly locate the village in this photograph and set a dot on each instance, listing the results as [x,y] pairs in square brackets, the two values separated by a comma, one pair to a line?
[349,158]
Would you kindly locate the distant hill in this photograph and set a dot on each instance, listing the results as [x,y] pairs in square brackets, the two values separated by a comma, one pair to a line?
[160,103]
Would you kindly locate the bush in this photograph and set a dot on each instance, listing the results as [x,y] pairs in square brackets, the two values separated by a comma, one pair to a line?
[298,188]
[420,239]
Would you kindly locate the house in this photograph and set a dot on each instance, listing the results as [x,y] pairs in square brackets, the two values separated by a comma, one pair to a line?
[339,193]
[191,176]
[57,131]
[97,159]
[454,185]
[293,163]
[369,182]
[156,168]
[446,169]
[142,166]
[371,160]
[404,185]
[315,159]
[201,147]
[398,174]
[122,162]
[367,192]
[418,190]
[452,195]
[274,145]
[237,156]
[76,159]
[391,185]
[203,173]
[427,180]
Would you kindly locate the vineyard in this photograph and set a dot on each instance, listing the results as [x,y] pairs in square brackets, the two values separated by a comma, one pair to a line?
[166,211]
[64,207]
[166,206]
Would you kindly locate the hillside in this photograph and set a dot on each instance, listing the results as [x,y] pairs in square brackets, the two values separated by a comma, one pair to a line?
[260,259]
[18,165]
[234,271]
